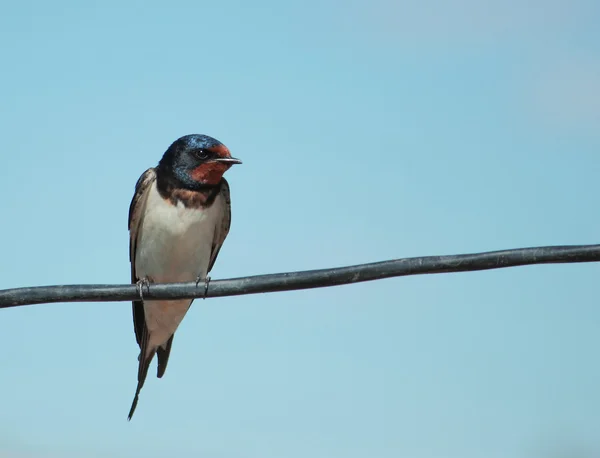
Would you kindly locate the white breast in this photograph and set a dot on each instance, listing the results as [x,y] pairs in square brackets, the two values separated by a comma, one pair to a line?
[175,242]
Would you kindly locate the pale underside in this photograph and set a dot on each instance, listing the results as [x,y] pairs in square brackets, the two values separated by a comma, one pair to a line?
[174,245]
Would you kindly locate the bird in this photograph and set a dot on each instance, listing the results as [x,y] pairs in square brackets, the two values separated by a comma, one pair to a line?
[179,218]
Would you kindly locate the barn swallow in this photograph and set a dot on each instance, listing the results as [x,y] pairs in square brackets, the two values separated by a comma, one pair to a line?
[178,220]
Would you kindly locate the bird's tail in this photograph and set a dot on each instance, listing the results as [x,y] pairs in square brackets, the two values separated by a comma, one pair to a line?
[144,364]
[162,354]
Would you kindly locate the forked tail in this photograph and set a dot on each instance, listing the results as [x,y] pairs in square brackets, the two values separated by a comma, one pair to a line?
[144,365]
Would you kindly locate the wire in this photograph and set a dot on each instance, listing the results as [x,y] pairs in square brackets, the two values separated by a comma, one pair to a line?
[305,279]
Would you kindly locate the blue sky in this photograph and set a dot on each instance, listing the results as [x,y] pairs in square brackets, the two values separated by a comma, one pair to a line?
[369,131]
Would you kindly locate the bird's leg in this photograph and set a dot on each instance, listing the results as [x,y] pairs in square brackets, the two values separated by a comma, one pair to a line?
[140,286]
[206,282]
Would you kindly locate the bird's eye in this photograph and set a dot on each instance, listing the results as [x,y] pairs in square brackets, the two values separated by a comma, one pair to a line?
[201,154]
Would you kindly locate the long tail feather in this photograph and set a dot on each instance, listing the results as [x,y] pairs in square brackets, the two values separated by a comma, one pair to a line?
[144,365]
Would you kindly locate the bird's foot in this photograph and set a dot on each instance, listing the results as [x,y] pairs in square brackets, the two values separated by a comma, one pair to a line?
[206,282]
[140,287]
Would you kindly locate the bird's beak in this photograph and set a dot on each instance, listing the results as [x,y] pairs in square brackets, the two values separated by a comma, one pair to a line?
[227,160]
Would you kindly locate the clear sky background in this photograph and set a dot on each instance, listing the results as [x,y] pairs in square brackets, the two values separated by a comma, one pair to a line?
[369,130]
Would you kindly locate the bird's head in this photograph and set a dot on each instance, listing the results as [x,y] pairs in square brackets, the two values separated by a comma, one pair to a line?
[197,161]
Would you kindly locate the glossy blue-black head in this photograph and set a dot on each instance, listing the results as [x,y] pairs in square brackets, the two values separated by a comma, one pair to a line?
[195,160]
[195,141]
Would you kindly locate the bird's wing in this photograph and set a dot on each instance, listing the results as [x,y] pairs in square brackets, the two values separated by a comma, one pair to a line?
[136,214]
[222,229]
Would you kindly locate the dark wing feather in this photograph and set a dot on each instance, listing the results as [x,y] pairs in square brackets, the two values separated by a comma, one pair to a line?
[222,230]
[136,212]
